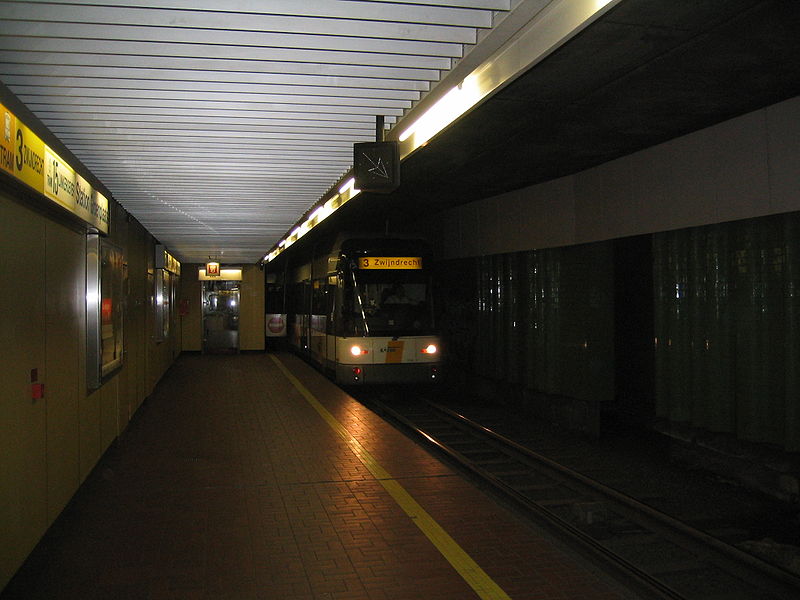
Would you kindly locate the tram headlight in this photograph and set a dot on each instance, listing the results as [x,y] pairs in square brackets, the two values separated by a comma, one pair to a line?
[357,350]
[430,349]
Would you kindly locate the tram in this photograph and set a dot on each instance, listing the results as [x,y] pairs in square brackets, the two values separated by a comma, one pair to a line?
[363,312]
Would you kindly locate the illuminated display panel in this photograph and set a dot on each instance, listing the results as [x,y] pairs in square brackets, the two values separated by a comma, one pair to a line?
[390,262]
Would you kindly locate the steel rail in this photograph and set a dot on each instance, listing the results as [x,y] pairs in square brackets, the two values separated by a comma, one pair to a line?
[714,553]
[730,552]
[626,572]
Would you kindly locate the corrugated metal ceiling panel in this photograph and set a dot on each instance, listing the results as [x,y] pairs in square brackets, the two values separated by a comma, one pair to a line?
[218,124]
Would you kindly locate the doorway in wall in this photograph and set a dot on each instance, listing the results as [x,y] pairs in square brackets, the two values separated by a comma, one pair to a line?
[221,317]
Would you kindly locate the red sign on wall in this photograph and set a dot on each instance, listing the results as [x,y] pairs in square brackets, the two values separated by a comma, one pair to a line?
[212,269]
[276,325]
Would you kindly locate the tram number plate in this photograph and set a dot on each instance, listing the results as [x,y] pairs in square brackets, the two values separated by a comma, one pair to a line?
[394,351]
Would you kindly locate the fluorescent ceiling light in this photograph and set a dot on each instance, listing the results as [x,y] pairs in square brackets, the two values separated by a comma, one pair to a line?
[446,110]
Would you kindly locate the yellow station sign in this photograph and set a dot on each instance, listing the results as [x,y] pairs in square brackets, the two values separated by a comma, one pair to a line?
[24,156]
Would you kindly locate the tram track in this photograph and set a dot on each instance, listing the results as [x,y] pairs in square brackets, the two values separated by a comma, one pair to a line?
[656,554]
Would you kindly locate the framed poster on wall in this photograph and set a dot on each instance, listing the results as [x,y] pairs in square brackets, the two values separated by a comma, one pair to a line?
[105,283]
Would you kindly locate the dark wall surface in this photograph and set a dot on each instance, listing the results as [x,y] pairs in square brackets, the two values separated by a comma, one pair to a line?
[698,327]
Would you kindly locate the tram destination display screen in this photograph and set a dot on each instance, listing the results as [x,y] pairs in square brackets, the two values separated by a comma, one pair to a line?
[390,262]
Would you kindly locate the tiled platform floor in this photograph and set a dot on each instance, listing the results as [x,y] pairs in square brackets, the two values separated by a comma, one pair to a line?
[229,485]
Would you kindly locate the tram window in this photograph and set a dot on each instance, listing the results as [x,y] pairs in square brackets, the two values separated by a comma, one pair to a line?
[292,303]
[319,306]
[349,319]
[395,303]
[399,293]
[274,301]
[296,297]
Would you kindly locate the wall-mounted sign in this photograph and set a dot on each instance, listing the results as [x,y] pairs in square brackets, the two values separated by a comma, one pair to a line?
[224,275]
[276,325]
[165,260]
[212,269]
[24,156]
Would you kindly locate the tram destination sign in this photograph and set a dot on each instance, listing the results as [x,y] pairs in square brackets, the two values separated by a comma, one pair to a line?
[390,262]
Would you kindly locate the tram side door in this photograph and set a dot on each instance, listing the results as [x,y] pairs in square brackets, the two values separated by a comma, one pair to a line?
[334,301]
[302,324]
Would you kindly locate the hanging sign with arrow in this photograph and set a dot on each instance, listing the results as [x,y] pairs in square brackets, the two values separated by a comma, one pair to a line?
[376,166]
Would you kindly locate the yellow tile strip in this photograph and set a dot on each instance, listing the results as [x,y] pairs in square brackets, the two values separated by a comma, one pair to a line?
[475,577]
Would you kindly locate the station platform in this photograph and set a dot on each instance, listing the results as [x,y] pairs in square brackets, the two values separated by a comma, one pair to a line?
[253,477]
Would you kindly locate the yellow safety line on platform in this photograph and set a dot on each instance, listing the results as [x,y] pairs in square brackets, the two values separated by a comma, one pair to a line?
[476,577]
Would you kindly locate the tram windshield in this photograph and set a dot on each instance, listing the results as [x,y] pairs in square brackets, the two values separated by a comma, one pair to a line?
[395,303]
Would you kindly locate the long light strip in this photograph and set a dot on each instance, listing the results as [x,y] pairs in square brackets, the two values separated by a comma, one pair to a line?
[446,110]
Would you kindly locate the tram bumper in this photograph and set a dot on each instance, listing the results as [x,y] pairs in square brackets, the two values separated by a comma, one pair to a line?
[364,374]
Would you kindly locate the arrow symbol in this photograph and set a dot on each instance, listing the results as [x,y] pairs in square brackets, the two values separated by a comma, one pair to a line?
[378,167]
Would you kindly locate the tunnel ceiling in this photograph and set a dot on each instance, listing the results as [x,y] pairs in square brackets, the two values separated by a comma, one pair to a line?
[647,72]
[217,125]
